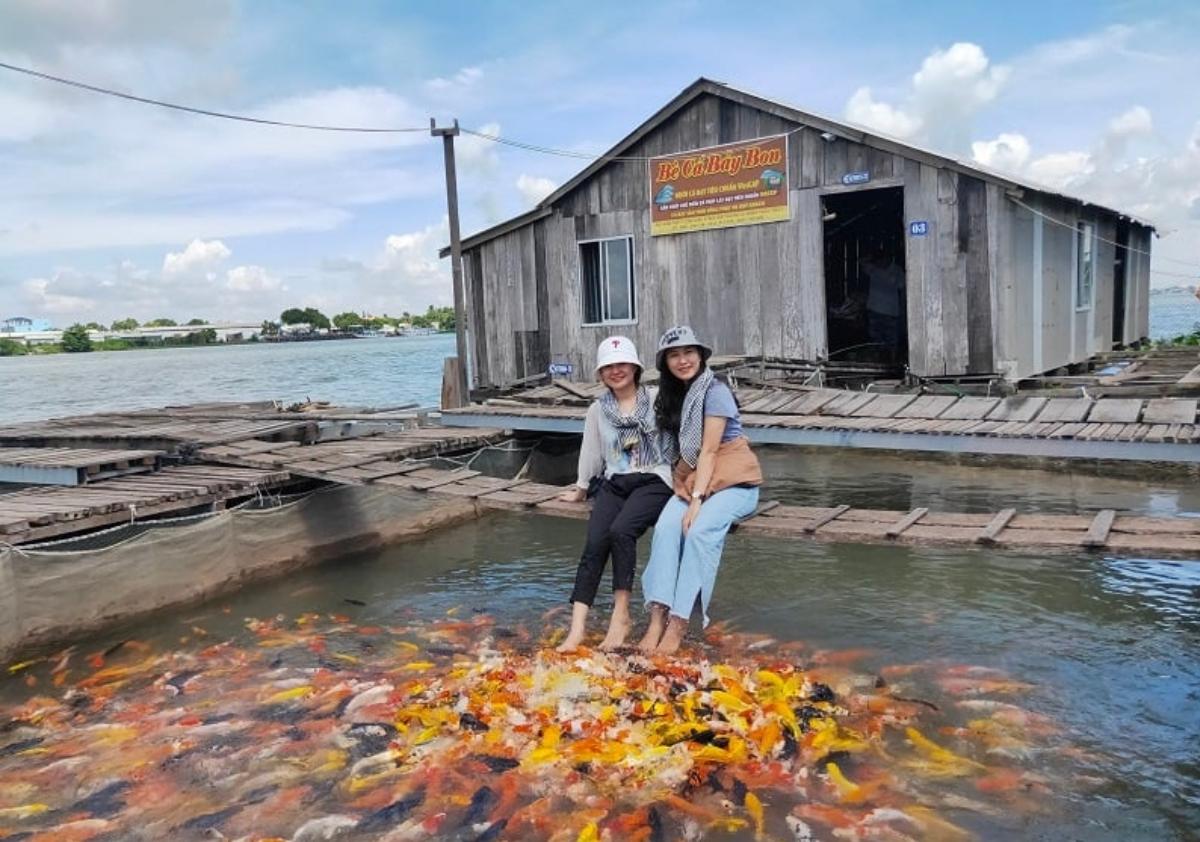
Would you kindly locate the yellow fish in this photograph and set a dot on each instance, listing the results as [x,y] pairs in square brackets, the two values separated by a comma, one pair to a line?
[755,808]
[419,666]
[293,693]
[848,791]
[590,833]
[26,811]
[728,701]
[949,762]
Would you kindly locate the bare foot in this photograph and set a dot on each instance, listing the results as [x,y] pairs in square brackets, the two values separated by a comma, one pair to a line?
[571,642]
[618,630]
[672,638]
[658,622]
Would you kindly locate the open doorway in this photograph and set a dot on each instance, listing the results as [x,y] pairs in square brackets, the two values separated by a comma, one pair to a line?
[866,311]
[1120,274]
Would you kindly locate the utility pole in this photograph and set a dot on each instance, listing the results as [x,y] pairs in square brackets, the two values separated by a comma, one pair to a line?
[460,315]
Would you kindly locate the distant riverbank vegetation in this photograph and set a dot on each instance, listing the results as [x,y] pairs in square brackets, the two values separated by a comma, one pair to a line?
[79,338]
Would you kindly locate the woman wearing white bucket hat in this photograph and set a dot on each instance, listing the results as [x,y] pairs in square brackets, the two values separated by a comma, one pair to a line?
[716,480]
[622,449]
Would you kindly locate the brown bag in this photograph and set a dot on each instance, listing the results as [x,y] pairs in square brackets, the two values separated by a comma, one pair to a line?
[736,465]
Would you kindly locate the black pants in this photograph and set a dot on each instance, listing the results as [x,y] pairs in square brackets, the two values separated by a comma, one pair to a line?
[623,509]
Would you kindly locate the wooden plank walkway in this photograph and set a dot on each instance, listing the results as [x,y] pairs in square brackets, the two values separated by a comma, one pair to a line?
[1082,419]
[1105,531]
[71,466]
[39,514]
[353,461]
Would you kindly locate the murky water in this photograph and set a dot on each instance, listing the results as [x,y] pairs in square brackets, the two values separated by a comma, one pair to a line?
[1109,647]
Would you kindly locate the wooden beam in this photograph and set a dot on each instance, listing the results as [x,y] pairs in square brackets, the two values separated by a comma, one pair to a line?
[908,520]
[1097,534]
[817,523]
[989,533]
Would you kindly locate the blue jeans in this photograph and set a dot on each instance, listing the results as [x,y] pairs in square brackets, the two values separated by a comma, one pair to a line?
[683,567]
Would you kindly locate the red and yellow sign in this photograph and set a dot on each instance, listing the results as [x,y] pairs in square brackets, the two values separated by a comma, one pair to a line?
[719,187]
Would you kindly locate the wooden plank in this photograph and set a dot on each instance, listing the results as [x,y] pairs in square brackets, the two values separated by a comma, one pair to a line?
[846,405]
[884,406]
[1115,411]
[1170,411]
[927,406]
[827,518]
[1066,410]
[973,409]
[997,523]
[905,522]
[1097,534]
[446,479]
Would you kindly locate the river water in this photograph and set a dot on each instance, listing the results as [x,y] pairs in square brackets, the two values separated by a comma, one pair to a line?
[378,372]
[1107,650]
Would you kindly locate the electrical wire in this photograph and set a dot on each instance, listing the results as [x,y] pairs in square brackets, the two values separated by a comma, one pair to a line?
[1124,246]
[587,156]
[203,111]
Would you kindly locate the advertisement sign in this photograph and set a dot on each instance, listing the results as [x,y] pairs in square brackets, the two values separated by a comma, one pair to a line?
[741,183]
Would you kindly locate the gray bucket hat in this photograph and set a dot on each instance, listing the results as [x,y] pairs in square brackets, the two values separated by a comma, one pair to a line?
[680,336]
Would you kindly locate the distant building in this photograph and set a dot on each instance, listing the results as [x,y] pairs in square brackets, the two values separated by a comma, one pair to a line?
[17,324]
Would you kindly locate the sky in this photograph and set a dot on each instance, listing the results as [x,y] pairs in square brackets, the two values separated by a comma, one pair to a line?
[111,209]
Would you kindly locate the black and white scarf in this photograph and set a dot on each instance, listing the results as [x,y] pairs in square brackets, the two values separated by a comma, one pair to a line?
[691,421]
[637,432]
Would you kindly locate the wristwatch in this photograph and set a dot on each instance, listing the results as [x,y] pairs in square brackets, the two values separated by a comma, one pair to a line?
[696,495]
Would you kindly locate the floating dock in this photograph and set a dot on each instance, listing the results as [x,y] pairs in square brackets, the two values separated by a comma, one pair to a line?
[205,458]
[1084,427]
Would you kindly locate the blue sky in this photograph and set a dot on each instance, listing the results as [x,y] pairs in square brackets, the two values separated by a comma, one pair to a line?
[113,209]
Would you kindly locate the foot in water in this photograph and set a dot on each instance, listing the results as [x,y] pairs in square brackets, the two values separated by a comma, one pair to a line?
[672,638]
[658,622]
[618,630]
[571,642]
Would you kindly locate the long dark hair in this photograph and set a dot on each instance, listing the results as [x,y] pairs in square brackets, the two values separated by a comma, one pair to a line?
[668,406]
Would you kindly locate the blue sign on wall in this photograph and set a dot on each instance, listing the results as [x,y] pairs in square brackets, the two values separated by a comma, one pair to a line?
[561,369]
[918,228]
[861,177]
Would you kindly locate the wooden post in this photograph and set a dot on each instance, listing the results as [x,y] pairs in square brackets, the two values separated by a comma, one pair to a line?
[460,314]
[453,396]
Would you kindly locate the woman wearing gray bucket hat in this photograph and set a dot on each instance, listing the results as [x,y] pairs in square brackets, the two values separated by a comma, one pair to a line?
[716,478]
[622,460]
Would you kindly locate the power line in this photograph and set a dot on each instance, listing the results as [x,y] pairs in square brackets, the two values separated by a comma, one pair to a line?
[1127,247]
[203,111]
[569,153]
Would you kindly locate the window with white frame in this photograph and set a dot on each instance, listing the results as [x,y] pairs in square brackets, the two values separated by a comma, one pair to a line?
[1085,269]
[606,270]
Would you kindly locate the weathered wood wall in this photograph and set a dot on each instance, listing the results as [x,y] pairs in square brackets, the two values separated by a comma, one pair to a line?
[760,289]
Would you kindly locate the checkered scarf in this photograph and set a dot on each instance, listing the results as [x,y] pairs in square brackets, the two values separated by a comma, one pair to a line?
[691,421]
[638,431]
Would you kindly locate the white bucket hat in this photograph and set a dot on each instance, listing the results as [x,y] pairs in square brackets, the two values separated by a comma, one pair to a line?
[617,349]
[680,336]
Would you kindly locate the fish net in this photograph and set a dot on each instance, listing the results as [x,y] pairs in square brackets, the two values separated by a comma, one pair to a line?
[61,588]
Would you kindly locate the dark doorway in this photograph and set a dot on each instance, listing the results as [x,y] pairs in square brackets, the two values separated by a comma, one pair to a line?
[1120,274]
[865,300]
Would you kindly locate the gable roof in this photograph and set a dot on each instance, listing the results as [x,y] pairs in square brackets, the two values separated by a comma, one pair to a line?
[847,131]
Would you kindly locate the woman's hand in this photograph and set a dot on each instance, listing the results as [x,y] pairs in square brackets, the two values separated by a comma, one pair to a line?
[693,509]
[574,494]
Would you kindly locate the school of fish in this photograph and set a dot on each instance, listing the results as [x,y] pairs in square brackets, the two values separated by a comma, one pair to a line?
[314,728]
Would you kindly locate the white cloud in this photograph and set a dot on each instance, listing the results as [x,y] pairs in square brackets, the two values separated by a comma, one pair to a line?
[1008,152]
[864,109]
[252,279]
[43,25]
[1061,170]
[199,257]
[1136,121]
[939,108]
[533,189]
[464,78]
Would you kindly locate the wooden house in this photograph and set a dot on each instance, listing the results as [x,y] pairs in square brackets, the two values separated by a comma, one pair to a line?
[844,245]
